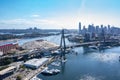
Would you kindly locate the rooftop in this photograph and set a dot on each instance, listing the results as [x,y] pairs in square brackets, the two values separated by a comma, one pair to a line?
[36,62]
[7,70]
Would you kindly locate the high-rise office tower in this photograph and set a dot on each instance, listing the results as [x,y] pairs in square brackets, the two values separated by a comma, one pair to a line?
[79,27]
[109,29]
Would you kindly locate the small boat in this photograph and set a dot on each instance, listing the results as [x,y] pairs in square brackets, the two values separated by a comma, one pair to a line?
[35,78]
[51,72]
[55,71]
[55,64]
[46,72]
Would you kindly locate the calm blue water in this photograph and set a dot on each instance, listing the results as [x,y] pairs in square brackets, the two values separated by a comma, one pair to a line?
[86,65]
[89,66]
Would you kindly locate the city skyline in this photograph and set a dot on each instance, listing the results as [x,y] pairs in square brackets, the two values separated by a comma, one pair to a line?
[57,14]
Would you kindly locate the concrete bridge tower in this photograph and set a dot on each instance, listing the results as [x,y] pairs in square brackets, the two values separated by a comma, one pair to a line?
[63,45]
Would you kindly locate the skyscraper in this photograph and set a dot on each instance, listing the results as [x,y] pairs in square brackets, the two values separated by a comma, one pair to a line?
[109,29]
[79,27]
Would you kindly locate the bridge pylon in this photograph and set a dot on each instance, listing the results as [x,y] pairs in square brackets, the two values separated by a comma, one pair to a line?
[63,45]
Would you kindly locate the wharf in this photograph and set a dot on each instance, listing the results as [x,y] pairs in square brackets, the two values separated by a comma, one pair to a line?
[37,71]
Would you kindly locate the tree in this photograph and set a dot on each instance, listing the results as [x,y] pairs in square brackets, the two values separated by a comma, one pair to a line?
[18,77]
[6,61]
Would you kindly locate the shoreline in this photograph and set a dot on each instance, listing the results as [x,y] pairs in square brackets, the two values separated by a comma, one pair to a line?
[9,40]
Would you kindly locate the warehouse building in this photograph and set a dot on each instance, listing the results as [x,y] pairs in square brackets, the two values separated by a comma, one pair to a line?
[7,72]
[36,63]
[5,48]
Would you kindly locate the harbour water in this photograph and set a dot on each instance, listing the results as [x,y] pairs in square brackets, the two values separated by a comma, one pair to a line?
[98,65]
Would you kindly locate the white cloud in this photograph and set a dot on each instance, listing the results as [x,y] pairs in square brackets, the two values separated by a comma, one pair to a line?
[68,22]
[25,23]
[35,15]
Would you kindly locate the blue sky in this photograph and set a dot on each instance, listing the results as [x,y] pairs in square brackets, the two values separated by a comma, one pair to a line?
[58,13]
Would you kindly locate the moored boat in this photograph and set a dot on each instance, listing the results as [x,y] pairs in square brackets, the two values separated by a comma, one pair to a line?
[55,63]
[35,78]
[50,72]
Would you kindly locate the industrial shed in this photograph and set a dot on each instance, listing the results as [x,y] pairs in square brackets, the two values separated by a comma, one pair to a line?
[36,63]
